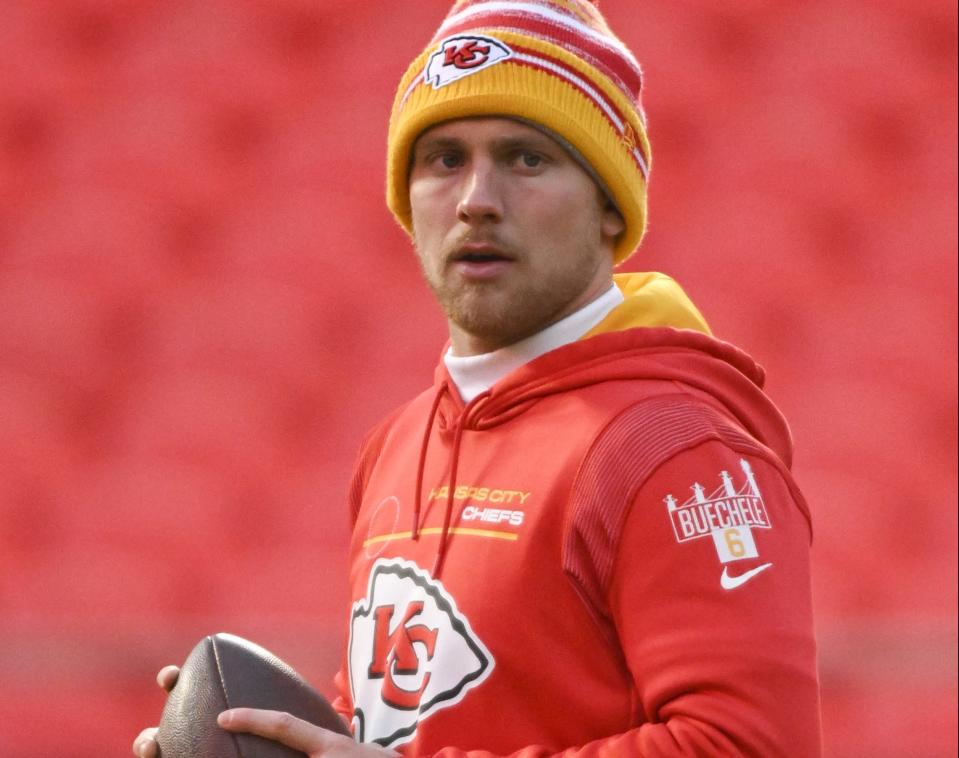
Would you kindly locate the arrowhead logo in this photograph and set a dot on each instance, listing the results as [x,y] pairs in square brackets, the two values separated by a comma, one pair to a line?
[732,582]
[411,653]
[462,56]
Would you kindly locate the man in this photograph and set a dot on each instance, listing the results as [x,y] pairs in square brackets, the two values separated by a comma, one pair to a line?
[584,538]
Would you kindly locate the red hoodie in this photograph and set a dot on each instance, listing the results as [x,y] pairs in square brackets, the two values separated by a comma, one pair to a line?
[603,555]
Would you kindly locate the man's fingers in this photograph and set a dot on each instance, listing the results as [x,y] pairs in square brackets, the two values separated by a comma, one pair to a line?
[279,726]
[145,745]
[167,677]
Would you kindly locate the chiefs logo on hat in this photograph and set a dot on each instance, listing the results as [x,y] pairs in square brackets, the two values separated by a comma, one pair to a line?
[461,56]
[411,653]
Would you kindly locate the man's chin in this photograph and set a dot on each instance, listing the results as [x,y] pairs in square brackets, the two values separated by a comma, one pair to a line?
[495,330]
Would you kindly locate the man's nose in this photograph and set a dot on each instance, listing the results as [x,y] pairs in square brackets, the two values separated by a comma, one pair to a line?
[481,199]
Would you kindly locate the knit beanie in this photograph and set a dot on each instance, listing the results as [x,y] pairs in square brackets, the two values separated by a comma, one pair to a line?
[553,63]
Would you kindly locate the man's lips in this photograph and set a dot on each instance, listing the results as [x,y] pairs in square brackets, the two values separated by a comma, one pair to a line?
[480,252]
[480,260]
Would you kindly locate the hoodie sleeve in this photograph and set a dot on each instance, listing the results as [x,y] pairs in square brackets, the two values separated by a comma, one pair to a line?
[711,604]
[693,553]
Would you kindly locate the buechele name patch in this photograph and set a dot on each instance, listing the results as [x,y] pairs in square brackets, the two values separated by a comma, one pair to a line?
[727,515]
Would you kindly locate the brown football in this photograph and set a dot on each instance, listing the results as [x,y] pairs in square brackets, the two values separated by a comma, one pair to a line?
[225,671]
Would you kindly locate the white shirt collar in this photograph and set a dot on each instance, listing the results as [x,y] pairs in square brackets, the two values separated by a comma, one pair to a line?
[473,374]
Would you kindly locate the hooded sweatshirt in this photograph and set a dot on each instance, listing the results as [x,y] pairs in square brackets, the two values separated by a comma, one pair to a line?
[604,554]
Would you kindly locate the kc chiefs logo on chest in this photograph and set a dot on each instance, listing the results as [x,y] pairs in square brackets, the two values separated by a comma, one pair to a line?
[394,654]
[462,56]
[412,653]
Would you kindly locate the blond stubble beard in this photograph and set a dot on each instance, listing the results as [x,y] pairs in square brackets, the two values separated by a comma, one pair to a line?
[503,314]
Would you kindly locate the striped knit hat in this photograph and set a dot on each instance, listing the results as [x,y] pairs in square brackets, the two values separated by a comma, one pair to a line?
[554,63]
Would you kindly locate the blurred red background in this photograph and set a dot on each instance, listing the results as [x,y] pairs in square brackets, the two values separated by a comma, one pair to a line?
[204,304]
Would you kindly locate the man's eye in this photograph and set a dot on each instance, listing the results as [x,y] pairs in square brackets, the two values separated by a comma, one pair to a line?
[449,160]
[531,160]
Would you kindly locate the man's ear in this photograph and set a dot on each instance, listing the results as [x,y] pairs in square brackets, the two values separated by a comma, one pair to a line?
[612,224]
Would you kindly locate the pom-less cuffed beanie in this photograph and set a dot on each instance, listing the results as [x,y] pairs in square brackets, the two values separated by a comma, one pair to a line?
[554,63]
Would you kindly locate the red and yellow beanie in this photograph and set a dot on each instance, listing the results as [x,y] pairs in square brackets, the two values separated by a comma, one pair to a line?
[554,63]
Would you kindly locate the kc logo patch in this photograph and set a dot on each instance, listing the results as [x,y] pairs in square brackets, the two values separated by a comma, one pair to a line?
[411,653]
[728,515]
[461,56]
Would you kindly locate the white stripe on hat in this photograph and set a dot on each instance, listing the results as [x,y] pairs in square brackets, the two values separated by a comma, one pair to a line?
[587,56]
[493,7]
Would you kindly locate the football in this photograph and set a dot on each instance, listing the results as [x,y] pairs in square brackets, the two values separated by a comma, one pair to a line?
[225,671]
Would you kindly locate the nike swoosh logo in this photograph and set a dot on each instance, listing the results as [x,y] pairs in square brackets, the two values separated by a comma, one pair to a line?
[732,582]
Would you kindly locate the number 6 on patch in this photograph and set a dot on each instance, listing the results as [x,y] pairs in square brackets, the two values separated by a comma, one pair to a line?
[735,543]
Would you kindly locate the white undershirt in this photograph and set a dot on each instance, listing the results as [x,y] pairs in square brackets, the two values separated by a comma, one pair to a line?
[473,374]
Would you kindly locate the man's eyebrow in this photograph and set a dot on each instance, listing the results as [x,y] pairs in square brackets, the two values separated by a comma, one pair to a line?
[436,143]
[526,142]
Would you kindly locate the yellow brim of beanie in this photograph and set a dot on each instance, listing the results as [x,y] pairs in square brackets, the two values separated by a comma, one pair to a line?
[514,90]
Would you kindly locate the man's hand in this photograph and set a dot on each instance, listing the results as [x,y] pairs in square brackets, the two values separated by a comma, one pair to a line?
[145,745]
[288,730]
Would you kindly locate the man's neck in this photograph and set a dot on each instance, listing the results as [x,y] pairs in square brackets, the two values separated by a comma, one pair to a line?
[473,374]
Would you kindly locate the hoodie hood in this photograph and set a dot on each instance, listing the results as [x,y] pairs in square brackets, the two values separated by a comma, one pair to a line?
[655,334]
[651,300]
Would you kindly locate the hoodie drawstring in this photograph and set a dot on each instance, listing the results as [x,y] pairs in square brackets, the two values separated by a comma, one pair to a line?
[421,467]
[450,499]
[451,492]
[460,428]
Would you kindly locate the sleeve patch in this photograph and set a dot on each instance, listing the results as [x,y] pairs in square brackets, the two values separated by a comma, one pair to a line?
[728,515]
